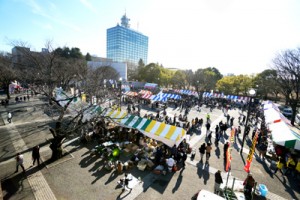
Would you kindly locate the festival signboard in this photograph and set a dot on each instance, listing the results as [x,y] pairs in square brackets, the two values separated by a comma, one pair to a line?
[251,153]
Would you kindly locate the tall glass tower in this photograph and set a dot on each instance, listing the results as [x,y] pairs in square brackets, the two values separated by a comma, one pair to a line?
[124,44]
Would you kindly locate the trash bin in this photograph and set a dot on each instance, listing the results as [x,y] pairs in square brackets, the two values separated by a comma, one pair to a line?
[263,190]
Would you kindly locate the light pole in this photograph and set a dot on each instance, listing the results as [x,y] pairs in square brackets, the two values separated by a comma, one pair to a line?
[120,79]
[251,94]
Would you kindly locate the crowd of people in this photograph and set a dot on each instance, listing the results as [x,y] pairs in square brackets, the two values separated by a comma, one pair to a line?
[169,159]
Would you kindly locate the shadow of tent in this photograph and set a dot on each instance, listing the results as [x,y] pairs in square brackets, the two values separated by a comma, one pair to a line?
[159,183]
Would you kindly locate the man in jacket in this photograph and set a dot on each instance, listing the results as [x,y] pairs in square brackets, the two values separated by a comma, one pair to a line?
[218,182]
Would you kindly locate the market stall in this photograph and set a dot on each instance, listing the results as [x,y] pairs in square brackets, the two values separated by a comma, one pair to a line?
[168,134]
[283,135]
[130,93]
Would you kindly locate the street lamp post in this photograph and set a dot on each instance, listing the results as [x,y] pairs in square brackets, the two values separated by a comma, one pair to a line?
[120,93]
[198,91]
[251,93]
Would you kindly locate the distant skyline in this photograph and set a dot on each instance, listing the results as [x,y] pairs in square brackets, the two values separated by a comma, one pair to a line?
[234,36]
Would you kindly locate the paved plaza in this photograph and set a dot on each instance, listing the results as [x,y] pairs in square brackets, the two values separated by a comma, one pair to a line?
[79,176]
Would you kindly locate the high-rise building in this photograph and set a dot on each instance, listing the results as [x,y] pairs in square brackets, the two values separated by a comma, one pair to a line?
[125,44]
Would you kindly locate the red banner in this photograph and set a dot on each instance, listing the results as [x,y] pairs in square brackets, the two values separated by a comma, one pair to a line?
[251,153]
[228,152]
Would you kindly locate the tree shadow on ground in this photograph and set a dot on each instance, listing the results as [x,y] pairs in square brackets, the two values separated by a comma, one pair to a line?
[13,185]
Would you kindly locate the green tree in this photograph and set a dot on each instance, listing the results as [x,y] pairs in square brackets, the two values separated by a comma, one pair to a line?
[66,52]
[226,85]
[206,79]
[151,73]
[189,76]
[267,83]
[88,57]
[179,79]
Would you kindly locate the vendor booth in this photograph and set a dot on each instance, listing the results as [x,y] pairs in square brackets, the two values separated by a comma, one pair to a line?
[283,135]
[281,130]
[168,134]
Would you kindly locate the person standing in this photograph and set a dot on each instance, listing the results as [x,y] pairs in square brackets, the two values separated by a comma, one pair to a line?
[36,155]
[202,151]
[170,162]
[228,118]
[9,117]
[248,186]
[184,157]
[218,182]
[226,146]
[20,161]
[279,165]
[208,150]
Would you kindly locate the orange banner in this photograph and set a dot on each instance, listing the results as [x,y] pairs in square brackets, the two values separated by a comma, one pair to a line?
[228,153]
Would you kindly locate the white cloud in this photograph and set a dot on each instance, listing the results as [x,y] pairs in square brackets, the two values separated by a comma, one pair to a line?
[88,5]
[37,9]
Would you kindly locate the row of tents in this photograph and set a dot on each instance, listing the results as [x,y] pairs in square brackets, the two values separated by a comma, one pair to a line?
[221,95]
[283,133]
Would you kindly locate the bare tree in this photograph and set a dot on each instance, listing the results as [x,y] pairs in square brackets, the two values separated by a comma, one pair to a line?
[45,71]
[95,82]
[287,66]
[7,74]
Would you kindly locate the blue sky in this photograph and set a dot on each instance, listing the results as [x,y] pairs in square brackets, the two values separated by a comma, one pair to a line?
[235,36]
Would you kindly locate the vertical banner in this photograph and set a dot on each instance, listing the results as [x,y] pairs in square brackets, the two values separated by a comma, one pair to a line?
[228,153]
[251,153]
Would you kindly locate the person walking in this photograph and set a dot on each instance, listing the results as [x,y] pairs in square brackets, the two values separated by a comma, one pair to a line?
[20,161]
[228,118]
[209,135]
[207,117]
[202,151]
[9,117]
[244,119]
[207,127]
[208,150]
[218,182]
[36,155]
